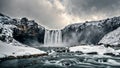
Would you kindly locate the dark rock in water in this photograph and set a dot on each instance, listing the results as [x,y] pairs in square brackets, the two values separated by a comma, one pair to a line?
[79,52]
[101,59]
[67,64]
[21,57]
[92,53]
[110,54]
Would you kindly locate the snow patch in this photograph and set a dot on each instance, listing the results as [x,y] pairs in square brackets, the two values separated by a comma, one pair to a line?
[112,38]
[87,49]
[10,50]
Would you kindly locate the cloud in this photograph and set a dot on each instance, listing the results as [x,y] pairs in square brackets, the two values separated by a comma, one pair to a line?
[56,14]
[46,13]
[93,9]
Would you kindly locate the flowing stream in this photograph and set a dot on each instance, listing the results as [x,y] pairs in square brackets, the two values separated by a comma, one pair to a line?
[64,60]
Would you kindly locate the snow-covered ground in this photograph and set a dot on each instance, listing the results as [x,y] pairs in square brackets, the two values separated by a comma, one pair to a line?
[11,47]
[112,38]
[10,50]
[99,49]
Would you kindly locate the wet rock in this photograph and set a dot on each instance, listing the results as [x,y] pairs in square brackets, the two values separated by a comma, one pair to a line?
[110,54]
[92,53]
[79,52]
[21,57]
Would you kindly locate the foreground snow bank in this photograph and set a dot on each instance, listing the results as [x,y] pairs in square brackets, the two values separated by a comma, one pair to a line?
[99,49]
[7,50]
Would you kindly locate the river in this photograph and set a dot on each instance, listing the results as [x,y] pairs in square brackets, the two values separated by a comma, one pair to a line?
[64,60]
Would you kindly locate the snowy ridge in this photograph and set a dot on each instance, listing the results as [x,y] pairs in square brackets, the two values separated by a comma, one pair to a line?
[109,21]
[8,45]
[20,29]
[7,32]
[112,38]
[4,18]
[90,32]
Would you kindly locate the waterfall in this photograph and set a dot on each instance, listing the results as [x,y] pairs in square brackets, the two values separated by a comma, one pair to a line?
[52,37]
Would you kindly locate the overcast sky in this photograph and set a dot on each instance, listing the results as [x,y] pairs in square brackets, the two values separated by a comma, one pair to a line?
[56,14]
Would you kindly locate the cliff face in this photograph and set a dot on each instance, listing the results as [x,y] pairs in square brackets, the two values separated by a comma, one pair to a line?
[27,31]
[30,33]
[89,32]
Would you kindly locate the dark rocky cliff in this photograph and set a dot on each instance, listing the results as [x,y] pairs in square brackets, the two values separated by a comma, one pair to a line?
[27,31]
[89,32]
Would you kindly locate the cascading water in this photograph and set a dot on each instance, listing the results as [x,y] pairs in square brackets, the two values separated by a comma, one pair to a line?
[52,37]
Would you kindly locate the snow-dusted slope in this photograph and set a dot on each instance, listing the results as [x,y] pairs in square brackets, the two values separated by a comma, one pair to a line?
[27,31]
[6,32]
[9,46]
[90,32]
[10,50]
[112,38]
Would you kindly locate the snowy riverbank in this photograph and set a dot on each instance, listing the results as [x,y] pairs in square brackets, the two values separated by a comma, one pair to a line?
[101,50]
[9,50]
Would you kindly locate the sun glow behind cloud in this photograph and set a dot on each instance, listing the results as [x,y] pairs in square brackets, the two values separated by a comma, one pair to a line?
[65,12]
[66,17]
